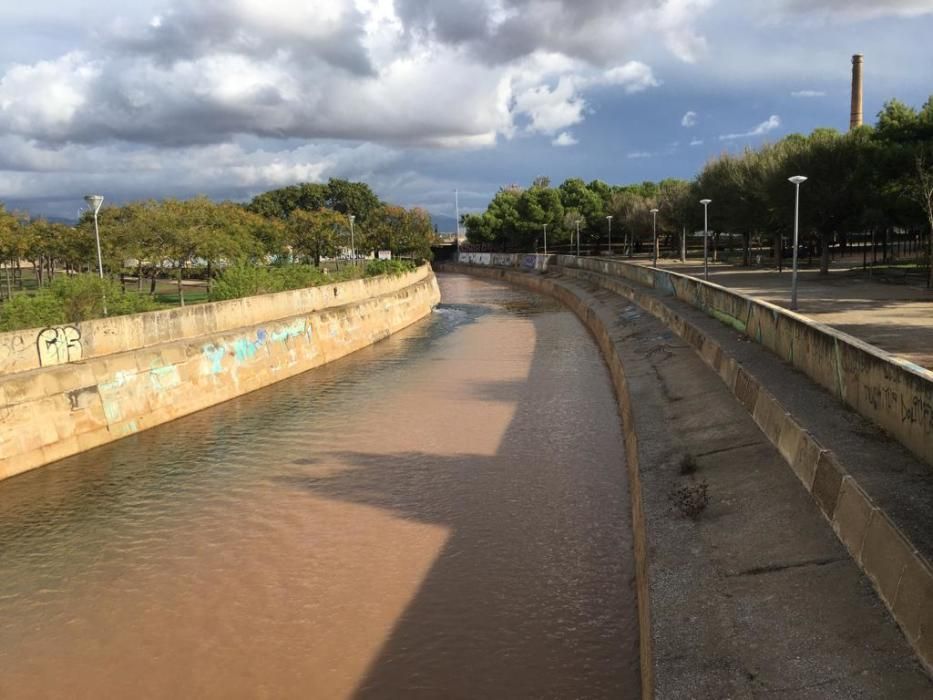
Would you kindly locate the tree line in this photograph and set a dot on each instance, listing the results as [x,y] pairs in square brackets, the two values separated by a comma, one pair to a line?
[876,179]
[300,223]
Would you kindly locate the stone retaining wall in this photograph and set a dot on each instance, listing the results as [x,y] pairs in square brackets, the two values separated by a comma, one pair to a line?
[42,347]
[893,393]
[102,380]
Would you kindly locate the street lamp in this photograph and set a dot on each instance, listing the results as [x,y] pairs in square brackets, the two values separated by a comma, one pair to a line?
[578,237]
[609,219]
[797,180]
[94,201]
[545,240]
[654,214]
[705,203]
[457,206]
[352,247]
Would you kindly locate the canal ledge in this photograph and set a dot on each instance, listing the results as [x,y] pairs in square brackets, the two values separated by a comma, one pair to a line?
[68,389]
[720,597]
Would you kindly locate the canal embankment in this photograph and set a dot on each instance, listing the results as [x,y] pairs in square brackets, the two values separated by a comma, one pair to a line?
[756,594]
[67,389]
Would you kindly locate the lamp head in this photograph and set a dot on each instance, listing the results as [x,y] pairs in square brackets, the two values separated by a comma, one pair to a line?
[705,202]
[654,211]
[797,179]
[94,201]
[609,217]
[352,218]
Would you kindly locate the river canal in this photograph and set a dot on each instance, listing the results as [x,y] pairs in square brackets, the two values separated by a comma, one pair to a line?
[443,515]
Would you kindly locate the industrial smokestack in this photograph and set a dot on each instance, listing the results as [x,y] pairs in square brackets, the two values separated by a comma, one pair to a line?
[855,118]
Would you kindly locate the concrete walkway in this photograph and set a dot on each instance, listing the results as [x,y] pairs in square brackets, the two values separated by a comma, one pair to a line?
[757,597]
[895,317]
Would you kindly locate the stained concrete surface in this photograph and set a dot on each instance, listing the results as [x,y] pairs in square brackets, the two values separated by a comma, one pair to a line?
[895,317]
[757,598]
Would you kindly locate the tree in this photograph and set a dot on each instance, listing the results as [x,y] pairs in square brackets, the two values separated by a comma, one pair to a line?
[352,198]
[315,233]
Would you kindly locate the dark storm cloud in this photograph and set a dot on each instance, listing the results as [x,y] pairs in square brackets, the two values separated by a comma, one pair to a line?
[193,30]
[449,22]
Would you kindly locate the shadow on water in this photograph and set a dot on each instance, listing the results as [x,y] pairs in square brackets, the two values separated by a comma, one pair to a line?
[533,593]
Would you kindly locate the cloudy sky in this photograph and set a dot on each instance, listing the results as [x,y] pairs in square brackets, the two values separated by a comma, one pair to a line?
[230,98]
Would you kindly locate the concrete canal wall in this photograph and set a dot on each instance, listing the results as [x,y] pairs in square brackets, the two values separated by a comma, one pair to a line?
[68,389]
[895,394]
[851,370]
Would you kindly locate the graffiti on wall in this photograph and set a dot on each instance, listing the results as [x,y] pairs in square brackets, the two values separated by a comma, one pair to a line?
[910,409]
[58,345]
[11,347]
[504,259]
[474,258]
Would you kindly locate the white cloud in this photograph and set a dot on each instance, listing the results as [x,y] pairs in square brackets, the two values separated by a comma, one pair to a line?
[633,76]
[696,142]
[172,84]
[808,93]
[770,124]
[639,154]
[551,109]
[565,138]
[689,119]
[858,9]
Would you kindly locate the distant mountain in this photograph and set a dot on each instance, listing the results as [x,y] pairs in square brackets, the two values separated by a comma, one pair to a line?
[445,222]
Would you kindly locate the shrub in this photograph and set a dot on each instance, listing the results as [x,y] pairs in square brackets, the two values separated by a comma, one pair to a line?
[241,280]
[297,277]
[31,311]
[69,300]
[388,267]
[691,500]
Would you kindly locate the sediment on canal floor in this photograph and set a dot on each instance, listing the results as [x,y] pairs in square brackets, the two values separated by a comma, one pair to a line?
[68,389]
[757,594]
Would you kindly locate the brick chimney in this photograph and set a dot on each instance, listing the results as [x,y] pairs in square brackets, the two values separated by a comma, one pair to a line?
[855,118]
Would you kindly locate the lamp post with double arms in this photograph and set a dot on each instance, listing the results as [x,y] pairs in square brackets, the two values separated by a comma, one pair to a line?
[706,203]
[797,180]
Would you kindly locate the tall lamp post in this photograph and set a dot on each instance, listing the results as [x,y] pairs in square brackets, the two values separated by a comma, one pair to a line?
[705,203]
[797,180]
[609,219]
[94,201]
[578,237]
[457,206]
[545,240]
[352,247]
[654,228]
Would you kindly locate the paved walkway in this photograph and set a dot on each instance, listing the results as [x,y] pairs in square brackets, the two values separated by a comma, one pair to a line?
[895,317]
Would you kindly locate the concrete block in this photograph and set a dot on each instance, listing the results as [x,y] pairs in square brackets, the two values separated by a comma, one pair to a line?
[913,608]
[791,435]
[174,353]
[806,462]
[769,415]
[885,555]
[850,519]
[746,390]
[827,481]
[122,363]
[708,351]
[728,370]
[22,389]
[60,450]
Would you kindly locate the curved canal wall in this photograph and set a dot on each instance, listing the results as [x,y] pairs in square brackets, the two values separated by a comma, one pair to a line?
[67,389]
[894,393]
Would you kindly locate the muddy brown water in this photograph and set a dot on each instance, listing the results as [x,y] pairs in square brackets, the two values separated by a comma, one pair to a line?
[443,515]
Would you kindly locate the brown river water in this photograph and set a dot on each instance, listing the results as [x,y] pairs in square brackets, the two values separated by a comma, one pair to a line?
[443,515]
